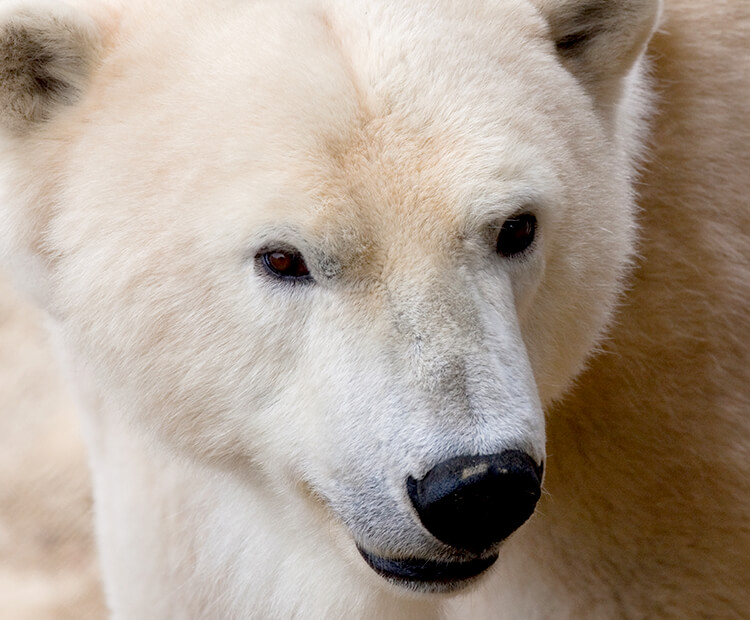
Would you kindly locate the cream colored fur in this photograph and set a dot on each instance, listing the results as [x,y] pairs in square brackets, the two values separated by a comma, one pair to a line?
[243,434]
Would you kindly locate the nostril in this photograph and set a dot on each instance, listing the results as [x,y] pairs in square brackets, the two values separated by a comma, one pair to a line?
[474,502]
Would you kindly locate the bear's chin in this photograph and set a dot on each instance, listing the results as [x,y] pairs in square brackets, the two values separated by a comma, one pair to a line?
[429,576]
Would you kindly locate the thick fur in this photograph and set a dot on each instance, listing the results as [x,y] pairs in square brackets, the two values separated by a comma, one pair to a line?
[245,433]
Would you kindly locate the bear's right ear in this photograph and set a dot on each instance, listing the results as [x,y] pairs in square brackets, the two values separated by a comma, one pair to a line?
[47,53]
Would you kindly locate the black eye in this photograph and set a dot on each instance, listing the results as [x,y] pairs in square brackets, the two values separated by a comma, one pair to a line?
[285,264]
[516,234]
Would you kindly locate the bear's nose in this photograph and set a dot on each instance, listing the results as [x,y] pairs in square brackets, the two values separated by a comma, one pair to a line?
[474,502]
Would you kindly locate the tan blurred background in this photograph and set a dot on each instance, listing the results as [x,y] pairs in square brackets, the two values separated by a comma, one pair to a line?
[48,568]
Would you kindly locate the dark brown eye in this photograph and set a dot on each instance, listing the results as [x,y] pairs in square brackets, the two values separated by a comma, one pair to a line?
[285,264]
[516,235]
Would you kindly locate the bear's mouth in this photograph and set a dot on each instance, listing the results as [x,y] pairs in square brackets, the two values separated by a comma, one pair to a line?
[427,575]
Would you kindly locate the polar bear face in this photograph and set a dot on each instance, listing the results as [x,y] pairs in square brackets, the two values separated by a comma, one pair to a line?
[342,246]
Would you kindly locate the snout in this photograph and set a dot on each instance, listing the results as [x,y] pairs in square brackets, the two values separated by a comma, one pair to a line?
[472,503]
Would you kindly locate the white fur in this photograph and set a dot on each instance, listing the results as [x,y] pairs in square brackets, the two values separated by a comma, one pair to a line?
[245,433]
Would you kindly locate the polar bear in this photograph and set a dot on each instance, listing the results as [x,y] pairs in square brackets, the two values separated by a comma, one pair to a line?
[326,277]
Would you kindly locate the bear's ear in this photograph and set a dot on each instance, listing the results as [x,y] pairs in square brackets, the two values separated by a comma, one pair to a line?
[47,52]
[600,40]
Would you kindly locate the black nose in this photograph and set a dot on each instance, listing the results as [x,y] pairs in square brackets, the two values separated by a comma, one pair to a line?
[474,502]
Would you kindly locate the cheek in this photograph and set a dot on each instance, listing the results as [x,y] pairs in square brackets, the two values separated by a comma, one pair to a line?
[574,302]
[184,347]
[526,278]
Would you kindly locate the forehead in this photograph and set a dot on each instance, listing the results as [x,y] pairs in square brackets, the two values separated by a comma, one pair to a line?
[414,104]
[380,114]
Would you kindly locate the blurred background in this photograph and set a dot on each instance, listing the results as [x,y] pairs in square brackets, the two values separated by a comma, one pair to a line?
[48,566]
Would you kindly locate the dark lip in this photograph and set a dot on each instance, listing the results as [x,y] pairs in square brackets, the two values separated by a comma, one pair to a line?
[428,575]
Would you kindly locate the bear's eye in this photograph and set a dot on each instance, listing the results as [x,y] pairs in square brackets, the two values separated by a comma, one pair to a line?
[516,235]
[285,264]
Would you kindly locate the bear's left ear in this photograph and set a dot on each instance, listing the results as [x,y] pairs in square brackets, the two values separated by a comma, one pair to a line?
[47,53]
[599,41]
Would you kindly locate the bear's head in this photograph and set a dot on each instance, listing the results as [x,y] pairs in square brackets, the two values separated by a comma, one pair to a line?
[352,247]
